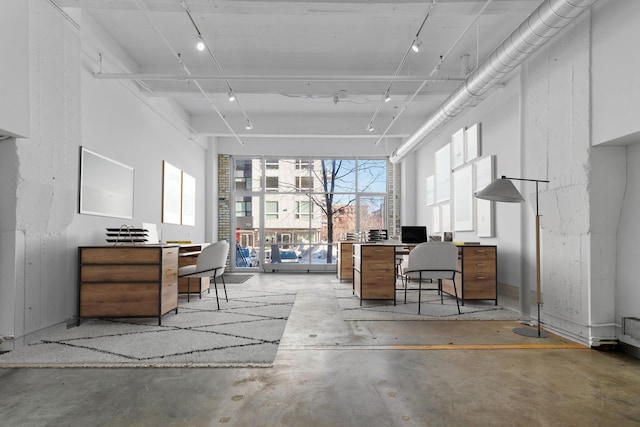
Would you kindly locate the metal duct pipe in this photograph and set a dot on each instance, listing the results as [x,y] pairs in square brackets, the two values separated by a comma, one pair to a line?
[543,23]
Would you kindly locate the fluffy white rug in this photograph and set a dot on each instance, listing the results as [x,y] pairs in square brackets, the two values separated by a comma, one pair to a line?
[245,331]
[430,309]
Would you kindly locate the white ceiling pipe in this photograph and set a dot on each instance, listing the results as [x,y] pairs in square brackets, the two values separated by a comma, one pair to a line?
[543,23]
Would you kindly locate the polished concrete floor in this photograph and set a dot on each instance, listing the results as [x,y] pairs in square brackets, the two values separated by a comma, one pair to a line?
[329,372]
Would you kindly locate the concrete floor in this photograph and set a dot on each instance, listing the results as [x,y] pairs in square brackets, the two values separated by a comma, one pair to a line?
[329,372]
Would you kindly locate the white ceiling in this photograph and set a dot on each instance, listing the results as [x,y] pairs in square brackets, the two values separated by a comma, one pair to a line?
[303,68]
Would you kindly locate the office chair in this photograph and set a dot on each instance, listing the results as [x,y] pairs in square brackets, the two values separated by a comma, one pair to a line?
[211,262]
[434,261]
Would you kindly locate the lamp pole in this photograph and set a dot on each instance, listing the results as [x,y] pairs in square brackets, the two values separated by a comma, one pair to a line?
[525,331]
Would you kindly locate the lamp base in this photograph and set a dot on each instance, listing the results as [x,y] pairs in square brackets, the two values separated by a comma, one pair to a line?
[532,333]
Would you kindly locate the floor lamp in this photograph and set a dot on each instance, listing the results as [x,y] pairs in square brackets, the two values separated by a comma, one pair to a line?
[503,190]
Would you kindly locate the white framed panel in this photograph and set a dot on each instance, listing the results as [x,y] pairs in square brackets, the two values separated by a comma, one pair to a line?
[431,190]
[463,199]
[171,193]
[484,174]
[443,174]
[188,199]
[472,142]
[106,186]
[457,148]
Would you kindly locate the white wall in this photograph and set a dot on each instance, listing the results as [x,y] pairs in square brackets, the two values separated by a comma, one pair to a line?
[616,97]
[569,97]
[628,292]
[69,109]
[499,118]
[14,71]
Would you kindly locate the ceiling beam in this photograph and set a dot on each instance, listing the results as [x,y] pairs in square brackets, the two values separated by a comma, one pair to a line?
[345,78]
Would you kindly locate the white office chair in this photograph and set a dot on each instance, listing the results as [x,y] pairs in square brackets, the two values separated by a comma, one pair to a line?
[210,263]
[435,261]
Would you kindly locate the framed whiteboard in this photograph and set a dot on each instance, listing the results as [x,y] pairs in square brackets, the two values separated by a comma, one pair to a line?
[106,186]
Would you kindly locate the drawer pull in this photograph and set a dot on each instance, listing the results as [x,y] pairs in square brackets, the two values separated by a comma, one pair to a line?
[481,278]
[480,251]
[480,264]
[379,277]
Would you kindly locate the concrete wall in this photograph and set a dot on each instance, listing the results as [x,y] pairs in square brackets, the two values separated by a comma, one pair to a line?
[572,122]
[616,135]
[40,226]
[14,68]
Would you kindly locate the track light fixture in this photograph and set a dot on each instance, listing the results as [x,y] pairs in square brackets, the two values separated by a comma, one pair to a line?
[416,45]
[387,97]
[249,126]
[370,127]
[200,44]
[232,96]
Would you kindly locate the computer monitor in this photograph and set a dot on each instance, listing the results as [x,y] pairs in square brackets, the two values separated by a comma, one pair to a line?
[414,234]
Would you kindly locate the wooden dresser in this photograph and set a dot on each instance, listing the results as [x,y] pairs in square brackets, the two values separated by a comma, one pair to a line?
[127,281]
[476,278]
[345,261]
[374,271]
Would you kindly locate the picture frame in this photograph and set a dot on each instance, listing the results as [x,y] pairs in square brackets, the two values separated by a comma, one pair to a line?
[188,216]
[443,173]
[431,190]
[458,148]
[484,174]
[445,217]
[463,199]
[106,186]
[171,193]
[472,142]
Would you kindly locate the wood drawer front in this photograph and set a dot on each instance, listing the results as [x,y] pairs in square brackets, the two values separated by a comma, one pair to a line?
[479,253]
[379,266]
[483,279]
[120,255]
[120,273]
[378,293]
[169,297]
[378,254]
[472,267]
[119,300]
[479,290]
[372,277]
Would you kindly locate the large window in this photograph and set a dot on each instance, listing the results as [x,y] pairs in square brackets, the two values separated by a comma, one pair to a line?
[307,205]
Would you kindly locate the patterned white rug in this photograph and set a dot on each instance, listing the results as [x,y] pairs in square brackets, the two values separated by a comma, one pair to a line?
[430,307]
[245,331]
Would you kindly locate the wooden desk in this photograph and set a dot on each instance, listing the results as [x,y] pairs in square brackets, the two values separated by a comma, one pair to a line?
[344,267]
[127,281]
[374,275]
[188,255]
[476,278]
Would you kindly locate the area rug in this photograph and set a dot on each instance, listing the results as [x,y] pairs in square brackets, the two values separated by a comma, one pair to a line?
[245,332]
[430,307]
[236,278]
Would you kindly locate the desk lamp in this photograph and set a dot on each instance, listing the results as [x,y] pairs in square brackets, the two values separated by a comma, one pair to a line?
[503,190]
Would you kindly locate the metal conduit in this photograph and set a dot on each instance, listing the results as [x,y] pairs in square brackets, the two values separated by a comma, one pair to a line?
[543,23]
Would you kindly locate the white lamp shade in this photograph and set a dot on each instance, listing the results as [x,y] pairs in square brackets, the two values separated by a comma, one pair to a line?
[501,190]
